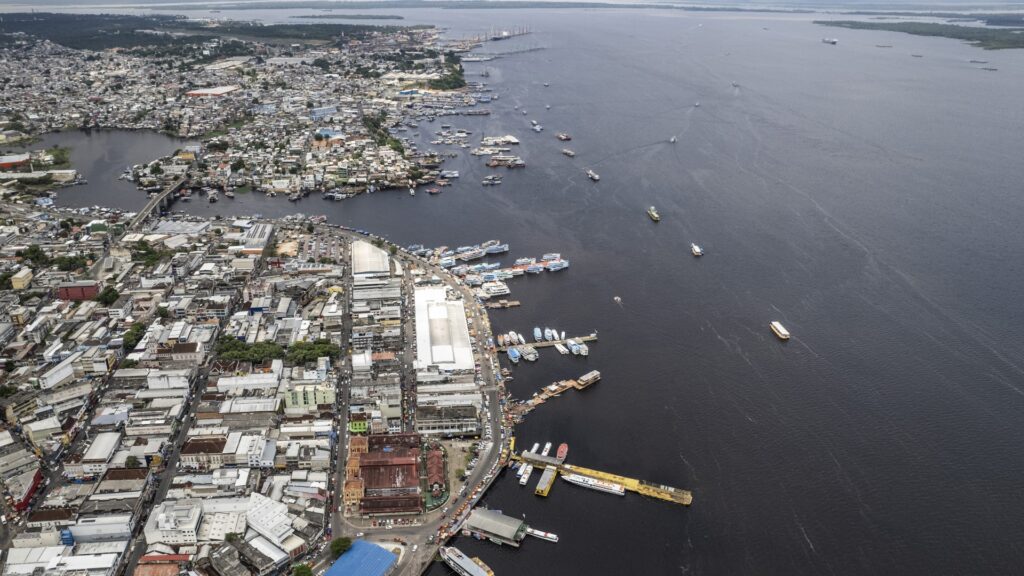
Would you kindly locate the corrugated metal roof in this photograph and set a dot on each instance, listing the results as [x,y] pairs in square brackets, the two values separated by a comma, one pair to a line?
[495,523]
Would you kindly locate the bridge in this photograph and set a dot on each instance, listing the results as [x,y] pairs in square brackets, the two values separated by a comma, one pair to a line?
[158,203]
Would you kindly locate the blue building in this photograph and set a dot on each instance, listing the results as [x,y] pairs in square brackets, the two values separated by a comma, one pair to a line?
[364,559]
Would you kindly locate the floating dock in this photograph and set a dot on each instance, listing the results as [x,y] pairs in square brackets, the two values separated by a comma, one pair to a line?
[549,343]
[547,479]
[642,487]
[554,390]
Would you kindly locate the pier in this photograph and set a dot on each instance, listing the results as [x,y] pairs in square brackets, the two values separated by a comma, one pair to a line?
[554,390]
[642,487]
[548,343]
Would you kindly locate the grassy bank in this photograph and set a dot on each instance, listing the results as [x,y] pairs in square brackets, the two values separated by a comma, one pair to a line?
[987,38]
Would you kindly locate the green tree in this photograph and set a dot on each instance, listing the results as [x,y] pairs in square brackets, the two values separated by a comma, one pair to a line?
[133,335]
[231,537]
[108,296]
[309,228]
[302,570]
[132,462]
[339,546]
[302,352]
[34,254]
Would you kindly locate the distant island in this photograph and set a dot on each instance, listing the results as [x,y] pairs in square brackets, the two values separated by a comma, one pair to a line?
[987,38]
[350,17]
[462,5]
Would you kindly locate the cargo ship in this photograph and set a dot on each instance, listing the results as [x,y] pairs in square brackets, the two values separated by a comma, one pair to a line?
[653,213]
[563,451]
[595,484]
[780,330]
[462,564]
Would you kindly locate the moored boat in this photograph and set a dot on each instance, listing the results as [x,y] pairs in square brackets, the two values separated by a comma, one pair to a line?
[563,450]
[595,484]
[462,564]
[780,330]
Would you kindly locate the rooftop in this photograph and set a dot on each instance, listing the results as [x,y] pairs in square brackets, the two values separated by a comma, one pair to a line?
[363,559]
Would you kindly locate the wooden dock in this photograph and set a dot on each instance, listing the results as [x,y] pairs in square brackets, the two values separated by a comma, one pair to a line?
[548,343]
[556,389]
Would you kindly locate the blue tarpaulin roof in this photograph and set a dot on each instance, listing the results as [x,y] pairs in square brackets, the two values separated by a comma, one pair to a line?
[363,559]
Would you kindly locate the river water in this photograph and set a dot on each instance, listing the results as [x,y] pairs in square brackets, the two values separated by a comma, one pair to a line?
[868,199]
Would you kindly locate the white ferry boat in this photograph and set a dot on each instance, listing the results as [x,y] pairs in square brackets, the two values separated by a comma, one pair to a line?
[462,564]
[595,484]
[525,478]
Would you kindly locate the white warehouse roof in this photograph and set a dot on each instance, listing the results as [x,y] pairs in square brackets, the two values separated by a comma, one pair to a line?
[368,259]
[442,335]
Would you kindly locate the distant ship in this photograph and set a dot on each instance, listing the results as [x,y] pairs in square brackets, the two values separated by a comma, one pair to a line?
[462,564]
[229,194]
[653,213]
[568,153]
[780,330]
[832,41]
[563,137]
[593,175]
[696,250]
[672,140]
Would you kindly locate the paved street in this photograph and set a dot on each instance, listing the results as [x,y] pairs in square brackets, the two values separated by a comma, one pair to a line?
[415,563]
